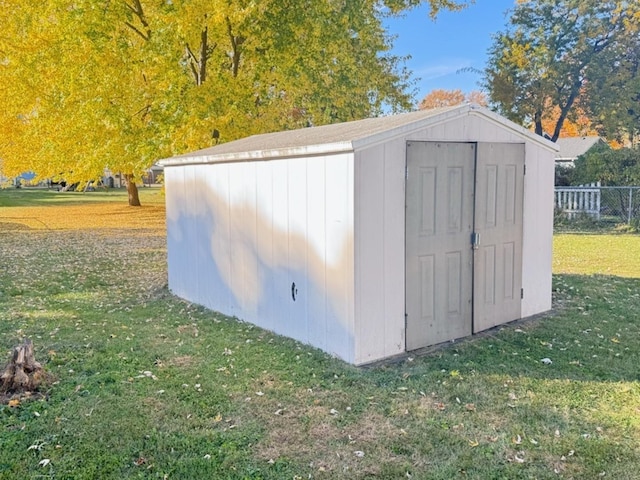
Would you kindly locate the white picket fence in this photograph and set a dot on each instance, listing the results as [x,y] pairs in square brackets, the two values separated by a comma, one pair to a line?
[584,199]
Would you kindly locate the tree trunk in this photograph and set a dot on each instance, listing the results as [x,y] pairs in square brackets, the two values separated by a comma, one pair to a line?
[132,191]
[22,373]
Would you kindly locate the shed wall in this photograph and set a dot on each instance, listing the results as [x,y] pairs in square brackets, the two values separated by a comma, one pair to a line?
[268,242]
[379,230]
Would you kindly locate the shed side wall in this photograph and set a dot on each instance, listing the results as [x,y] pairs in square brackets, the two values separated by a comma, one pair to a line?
[268,242]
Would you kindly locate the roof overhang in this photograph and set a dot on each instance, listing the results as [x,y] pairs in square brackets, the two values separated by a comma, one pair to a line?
[364,141]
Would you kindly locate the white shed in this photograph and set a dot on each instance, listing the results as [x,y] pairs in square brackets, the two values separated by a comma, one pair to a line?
[371,238]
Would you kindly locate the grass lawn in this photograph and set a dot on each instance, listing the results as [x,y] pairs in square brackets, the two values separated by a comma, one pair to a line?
[149,386]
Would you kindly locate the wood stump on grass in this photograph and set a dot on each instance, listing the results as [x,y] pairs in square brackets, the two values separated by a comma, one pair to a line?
[22,374]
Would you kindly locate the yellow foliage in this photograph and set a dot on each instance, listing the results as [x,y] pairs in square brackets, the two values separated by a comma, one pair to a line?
[92,216]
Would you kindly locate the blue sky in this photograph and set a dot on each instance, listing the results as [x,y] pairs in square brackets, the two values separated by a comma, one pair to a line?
[455,40]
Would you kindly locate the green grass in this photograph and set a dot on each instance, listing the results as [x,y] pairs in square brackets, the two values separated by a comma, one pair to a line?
[27,197]
[589,254]
[149,386]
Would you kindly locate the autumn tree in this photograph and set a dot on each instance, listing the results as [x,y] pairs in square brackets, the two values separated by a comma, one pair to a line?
[120,83]
[577,124]
[549,52]
[449,98]
[613,91]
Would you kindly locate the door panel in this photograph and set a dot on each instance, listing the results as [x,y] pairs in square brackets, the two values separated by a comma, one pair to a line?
[498,221]
[439,220]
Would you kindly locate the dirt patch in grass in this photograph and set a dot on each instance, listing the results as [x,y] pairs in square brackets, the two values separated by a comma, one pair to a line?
[337,443]
[182,361]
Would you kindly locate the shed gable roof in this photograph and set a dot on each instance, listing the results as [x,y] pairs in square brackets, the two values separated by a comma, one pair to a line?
[338,137]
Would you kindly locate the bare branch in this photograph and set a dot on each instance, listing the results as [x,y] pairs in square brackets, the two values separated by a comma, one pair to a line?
[139,12]
[132,27]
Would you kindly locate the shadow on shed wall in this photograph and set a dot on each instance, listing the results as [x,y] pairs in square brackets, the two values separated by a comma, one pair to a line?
[231,254]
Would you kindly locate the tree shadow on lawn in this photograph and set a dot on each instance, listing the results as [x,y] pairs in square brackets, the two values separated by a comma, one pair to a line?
[592,334]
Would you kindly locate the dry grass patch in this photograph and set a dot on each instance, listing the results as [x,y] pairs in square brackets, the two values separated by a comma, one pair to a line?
[338,444]
[181,361]
[313,436]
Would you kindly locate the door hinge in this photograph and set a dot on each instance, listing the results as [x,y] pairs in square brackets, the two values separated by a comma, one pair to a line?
[406,172]
[521,293]
[525,169]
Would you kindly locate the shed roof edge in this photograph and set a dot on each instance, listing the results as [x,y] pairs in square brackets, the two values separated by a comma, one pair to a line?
[258,155]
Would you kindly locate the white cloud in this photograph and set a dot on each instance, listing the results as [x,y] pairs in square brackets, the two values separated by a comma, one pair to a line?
[442,68]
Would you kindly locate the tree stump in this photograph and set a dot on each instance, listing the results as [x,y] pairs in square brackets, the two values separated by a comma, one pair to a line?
[22,373]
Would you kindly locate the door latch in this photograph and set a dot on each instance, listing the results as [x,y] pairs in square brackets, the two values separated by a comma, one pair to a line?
[475,240]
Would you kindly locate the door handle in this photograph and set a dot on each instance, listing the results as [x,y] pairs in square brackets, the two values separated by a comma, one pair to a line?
[475,240]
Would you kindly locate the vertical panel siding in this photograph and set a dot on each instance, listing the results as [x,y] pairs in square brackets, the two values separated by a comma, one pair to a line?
[394,283]
[267,312]
[537,231]
[339,214]
[279,305]
[369,255]
[317,251]
[190,277]
[379,228]
[176,238]
[298,241]
[241,234]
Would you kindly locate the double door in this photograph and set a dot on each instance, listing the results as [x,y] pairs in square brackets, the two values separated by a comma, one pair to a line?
[463,238]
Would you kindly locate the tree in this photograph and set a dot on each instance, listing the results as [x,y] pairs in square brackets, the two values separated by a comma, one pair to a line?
[578,124]
[448,98]
[121,83]
[549,53]
[610,167]
[614,90]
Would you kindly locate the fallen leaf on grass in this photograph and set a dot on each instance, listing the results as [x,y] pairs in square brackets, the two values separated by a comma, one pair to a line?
[14,402]
[359,453]
[37,446]
[44,462]
[470,407]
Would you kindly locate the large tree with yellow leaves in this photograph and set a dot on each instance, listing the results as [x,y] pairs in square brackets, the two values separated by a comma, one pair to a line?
[89,84]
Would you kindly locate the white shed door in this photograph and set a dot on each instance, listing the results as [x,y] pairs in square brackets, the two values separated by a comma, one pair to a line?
[498,223]
[439,223]
[453,191]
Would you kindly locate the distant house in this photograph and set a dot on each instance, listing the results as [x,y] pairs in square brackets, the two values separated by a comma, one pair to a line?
[570,148]
[116,180]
